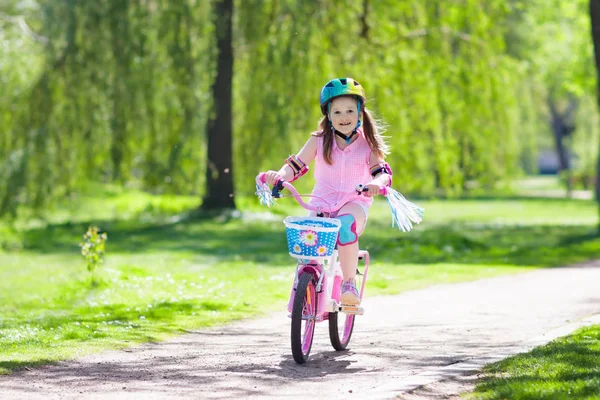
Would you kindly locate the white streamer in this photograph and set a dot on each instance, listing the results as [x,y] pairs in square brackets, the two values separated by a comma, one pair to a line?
[404,212]
[264,195]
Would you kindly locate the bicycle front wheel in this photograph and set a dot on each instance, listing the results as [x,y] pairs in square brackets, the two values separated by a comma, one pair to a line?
[304,313]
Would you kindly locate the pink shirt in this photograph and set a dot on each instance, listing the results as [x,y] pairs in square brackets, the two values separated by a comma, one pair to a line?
[350,167]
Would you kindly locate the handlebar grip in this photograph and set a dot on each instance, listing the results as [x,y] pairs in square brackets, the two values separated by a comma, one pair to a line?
[261,177]
[361,189]
[277,188]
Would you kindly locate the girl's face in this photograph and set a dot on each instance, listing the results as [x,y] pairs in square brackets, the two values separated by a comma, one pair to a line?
[344,114]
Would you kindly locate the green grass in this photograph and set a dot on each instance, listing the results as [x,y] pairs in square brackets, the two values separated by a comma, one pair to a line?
[166,274]
[566,368]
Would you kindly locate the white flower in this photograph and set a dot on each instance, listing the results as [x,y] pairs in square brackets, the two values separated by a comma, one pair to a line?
[309,238]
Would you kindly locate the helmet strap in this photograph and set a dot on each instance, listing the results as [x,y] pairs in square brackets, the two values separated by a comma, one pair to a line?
[346,138]
[340,134]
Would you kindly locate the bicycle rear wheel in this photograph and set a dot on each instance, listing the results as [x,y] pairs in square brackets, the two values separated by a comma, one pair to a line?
[340,329]
[341,325]
[304,313]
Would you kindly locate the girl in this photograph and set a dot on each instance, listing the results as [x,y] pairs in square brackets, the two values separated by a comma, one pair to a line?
[348,150]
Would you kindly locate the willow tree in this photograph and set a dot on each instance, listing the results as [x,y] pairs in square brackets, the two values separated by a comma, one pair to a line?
[436,73]
[20,63]
[117,92]
[141,92]
[279,70]
[550,40]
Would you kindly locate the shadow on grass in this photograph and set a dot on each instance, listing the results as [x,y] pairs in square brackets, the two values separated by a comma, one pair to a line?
[160,315]
[566,368]
[261,240]
[549,245]
[15,366]
[116,325]
[222,238]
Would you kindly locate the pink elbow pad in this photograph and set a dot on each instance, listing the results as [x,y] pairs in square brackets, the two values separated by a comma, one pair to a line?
[297,165]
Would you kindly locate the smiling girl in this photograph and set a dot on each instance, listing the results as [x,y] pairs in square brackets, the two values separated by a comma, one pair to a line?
[348,150]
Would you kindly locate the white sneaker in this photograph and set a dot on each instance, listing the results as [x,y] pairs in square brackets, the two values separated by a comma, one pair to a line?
[350,294]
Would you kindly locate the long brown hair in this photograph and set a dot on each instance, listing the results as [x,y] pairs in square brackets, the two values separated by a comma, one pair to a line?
[371,128]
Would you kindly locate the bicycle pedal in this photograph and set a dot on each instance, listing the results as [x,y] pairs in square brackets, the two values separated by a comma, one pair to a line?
[352,310]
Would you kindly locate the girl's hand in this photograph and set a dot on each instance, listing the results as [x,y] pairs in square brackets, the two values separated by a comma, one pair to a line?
[373,189]
[272,177]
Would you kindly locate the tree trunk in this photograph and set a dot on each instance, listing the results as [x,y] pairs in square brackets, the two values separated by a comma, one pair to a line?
[562,127]
[595,19]
[364,24]
[219,177]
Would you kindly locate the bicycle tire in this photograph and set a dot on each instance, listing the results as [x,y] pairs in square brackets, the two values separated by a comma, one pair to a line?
[339,340]
[304,311]
[341,333]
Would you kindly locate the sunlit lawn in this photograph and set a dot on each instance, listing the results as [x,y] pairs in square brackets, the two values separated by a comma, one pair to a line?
[163,277]
[567,368]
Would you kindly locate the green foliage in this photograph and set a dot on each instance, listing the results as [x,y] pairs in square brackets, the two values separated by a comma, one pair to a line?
[93,249]
[565,368]
[119,92]
[552,41]
[119,96]
[437,75]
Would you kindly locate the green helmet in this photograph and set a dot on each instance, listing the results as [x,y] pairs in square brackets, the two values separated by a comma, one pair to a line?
[341,87]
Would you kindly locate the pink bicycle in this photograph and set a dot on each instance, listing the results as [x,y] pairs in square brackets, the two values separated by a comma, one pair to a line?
[315,294]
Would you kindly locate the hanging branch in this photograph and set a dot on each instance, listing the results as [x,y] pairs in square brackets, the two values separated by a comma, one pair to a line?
[19,21]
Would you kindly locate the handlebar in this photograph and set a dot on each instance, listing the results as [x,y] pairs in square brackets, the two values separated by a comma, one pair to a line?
[281,184]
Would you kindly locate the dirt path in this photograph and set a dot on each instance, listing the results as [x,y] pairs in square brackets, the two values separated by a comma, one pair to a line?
[421,344]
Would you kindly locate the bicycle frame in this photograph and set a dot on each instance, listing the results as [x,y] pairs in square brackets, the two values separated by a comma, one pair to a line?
[329,291]
[328,276]
[316,290]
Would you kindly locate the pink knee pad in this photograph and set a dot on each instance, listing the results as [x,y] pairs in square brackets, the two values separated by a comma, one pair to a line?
[347,233]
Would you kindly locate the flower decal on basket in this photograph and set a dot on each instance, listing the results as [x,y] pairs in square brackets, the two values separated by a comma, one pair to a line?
[297,249]
[309,238]
[322,250]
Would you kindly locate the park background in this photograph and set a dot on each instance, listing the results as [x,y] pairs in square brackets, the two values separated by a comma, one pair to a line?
[149,119]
